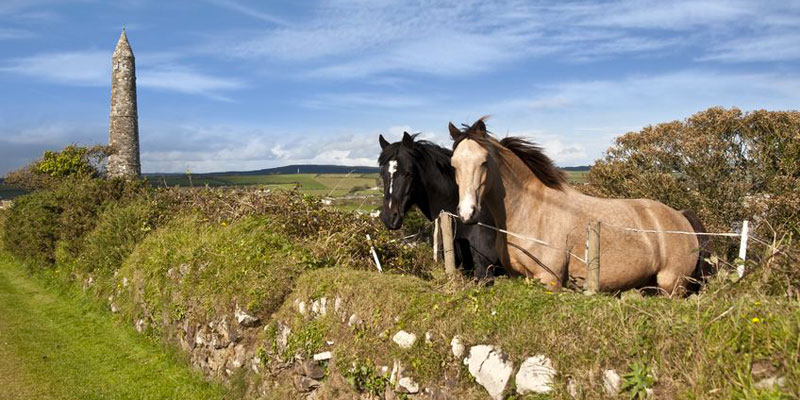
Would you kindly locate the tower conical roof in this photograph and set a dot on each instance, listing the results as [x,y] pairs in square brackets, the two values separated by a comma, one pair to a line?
[123,48]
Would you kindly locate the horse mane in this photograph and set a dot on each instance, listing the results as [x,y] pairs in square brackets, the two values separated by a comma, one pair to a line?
[421,149]
[539,163]
[531,154]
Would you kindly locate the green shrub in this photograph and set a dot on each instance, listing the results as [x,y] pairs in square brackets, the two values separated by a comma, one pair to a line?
[203,268]
[119,229]
[54,166]
[724,164]
[61,216]
[332,236]
[727,166]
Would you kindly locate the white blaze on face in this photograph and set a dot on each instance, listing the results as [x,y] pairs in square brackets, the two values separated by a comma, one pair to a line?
[468,160]
[392,170]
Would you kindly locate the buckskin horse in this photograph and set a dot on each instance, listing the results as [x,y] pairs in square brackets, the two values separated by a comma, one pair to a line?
[522,190]
[419,172]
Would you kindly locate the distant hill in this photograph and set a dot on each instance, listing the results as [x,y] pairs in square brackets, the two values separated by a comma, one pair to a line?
[578,168]
[292,169]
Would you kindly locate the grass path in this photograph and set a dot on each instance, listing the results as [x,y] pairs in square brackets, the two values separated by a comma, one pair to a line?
[54,344]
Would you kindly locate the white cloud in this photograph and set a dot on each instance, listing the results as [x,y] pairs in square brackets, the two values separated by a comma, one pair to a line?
[168,147]
[186,80]
[15,34]
[347,39]
[576,121]
[248,11]
[762,48]
[363,100]
[92,68]
[79,68]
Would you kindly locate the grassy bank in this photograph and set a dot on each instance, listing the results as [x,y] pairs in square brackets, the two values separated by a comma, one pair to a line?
[180,263]
[55,343]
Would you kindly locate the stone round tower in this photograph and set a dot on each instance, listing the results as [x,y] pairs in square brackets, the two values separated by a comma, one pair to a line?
[123,132]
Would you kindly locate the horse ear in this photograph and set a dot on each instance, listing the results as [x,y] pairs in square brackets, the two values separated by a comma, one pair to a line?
[382,141]
[407,139]
[479,127]
[454,132]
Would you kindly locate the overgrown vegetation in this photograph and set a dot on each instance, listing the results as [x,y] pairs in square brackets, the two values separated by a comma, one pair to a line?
[166,255]
[724,164]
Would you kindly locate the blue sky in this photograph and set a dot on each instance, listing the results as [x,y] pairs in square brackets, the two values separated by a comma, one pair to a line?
[238,85]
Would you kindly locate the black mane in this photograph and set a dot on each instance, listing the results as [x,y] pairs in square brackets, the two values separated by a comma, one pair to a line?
[420,150]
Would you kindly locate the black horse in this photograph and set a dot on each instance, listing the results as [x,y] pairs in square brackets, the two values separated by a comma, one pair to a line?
[419,172]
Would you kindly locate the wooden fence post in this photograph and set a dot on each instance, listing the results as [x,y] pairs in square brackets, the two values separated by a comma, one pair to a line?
[436,239]
[592,284]
[447,241]
[743,248]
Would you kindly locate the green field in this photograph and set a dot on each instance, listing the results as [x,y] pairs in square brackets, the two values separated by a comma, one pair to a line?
[349,191]
[335,185]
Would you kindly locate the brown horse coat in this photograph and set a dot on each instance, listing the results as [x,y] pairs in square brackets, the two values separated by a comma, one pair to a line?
[531,198]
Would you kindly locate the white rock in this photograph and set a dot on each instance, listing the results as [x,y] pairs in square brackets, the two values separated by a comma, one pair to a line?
[302,308]
[572,388]
[320,306]
[124,282]
[384,370]
[407,385]
[457,346]
[397,370]
[611,382]
[404,339]
[254,364]
[245,319]
[239,356]
[324,356]
[535,375]
[354,320]
[283,336]
[428,337]
[337,305]
[490,368]
[770,383]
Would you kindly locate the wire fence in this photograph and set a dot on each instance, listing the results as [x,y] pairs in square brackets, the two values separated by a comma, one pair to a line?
[743,237]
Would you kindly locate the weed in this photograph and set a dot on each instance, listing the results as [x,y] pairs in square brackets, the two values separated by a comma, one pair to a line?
[364,377]
[637,381]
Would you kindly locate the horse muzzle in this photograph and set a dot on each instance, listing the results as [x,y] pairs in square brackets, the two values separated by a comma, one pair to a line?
[468,214]
[392,220]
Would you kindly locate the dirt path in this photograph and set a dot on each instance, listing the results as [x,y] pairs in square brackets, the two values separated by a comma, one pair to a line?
[56,345]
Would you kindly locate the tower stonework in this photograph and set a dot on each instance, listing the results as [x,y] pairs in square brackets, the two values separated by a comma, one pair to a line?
[123,132]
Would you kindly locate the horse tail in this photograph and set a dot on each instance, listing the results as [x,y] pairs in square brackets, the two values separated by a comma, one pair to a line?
[703,269]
